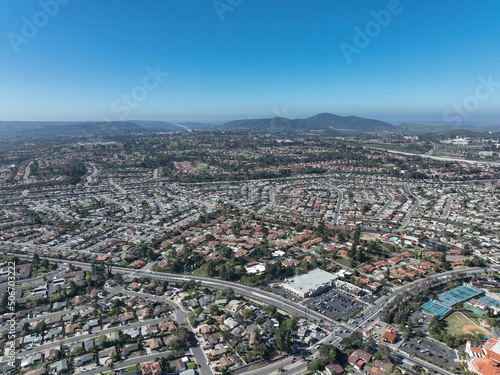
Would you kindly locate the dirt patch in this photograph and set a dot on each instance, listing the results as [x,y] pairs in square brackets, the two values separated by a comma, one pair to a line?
[474,330]
[368,236]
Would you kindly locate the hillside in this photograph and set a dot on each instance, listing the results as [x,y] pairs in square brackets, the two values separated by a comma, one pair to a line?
[324,122]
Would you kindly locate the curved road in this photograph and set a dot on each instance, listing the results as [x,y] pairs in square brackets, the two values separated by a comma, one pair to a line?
[276,300]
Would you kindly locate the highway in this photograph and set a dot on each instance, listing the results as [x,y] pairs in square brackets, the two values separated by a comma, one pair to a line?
[443,158]
[181,316]
[273,299]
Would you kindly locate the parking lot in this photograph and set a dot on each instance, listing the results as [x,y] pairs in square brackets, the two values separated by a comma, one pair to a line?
[420,320]
[336,304]
[283,292]
[430,351]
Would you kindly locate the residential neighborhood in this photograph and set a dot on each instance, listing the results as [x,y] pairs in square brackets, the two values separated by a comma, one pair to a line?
[339,267]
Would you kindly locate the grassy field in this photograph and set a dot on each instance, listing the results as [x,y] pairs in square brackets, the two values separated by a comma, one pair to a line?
[200,165]
[458,324]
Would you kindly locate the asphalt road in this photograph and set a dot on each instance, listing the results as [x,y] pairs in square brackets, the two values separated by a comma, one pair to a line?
[446,210]
[276,300]
[381,211]
[478,162]
[339,203]
[183,320]
[410,213]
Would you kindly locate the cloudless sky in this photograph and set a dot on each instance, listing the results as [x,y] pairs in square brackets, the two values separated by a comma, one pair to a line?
[254,58]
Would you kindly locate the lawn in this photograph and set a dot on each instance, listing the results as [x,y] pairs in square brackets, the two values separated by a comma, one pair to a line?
[343,261]
[201,165]
[458,324]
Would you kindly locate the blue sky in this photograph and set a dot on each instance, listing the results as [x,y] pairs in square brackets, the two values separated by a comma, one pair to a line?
[229,59]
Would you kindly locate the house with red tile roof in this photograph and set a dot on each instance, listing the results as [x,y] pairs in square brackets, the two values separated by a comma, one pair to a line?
[427,265]
[212,256]
[358,363]
[389,337]
[395,260]
[381,263]
[405,273]
[138,263]
[240,253]
[417,270]
[368,268]
[291,262]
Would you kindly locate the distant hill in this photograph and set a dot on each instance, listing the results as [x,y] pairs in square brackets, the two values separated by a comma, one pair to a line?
[13,127]
[323,122]
[156,125]
[88,129]
[26,129]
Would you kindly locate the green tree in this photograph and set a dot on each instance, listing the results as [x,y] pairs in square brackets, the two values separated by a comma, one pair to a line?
[283,335]
[246,314]
[329,352]
[229,294]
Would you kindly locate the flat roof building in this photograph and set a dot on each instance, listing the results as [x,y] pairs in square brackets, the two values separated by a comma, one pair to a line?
[309,283]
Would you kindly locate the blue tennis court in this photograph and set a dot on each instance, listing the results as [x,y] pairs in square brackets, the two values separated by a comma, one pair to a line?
[459,294]
[436,308]
[491,302]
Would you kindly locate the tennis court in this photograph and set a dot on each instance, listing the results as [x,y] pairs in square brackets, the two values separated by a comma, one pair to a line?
[459,294]
[436,308]
[475,310]
[490,302]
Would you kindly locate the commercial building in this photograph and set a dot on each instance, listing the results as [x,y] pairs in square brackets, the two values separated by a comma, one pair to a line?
[310,283]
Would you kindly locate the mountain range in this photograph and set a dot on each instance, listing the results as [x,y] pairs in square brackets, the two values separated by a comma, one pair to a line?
[323,122]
